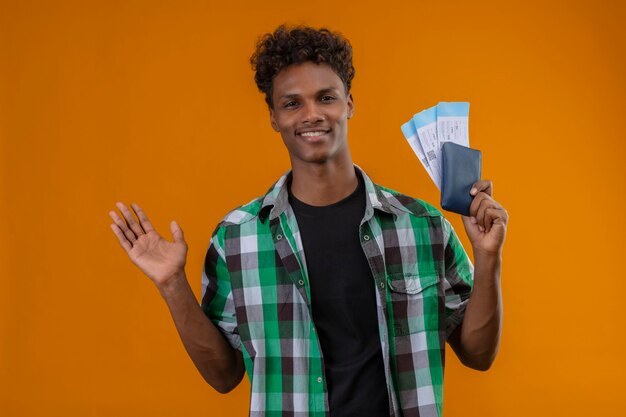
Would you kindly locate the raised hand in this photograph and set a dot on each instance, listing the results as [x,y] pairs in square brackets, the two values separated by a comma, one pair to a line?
[486,226]
[158,258]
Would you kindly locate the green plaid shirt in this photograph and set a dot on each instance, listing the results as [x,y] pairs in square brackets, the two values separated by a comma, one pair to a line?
[255,289]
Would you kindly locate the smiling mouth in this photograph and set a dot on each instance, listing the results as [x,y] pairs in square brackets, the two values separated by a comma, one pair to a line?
[313,133]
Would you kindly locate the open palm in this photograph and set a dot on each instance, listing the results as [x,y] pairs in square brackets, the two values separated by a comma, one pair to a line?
[158,258]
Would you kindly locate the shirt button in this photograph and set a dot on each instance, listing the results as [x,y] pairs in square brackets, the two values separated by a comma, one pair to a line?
[301,282]
[279,236]
[382,285]
[366,237]
[319,379]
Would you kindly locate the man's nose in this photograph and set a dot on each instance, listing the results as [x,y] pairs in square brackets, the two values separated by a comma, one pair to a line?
[312,113]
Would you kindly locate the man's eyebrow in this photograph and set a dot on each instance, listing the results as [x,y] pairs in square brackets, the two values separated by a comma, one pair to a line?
[289,96]
[320,92]
[328,90]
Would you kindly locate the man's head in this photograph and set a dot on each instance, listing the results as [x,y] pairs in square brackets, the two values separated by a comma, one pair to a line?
[306,75]
[288,46]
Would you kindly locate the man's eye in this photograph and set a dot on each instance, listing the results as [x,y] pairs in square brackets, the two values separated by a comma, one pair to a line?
[327,98]
[290,104]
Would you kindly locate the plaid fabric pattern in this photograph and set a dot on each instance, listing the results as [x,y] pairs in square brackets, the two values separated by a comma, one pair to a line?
[255,289]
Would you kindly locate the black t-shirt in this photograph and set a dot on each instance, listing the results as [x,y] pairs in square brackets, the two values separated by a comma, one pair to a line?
[344,305]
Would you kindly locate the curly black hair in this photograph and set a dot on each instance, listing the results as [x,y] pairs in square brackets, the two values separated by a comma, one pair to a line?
[294,45]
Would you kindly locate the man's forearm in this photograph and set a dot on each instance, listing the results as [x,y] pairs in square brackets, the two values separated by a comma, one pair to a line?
[220,365]
[478,338]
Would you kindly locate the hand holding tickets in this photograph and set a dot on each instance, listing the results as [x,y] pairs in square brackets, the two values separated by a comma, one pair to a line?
[439,137]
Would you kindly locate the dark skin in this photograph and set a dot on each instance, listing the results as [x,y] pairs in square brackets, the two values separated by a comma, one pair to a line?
[311,110]
[476,341]
[309,99]
[164,263]
[323,174]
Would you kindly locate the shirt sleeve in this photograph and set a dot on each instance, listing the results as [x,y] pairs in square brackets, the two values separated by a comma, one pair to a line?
[458,278]
[217,296]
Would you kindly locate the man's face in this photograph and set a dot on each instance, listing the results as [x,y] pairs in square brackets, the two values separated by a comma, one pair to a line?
[310,111]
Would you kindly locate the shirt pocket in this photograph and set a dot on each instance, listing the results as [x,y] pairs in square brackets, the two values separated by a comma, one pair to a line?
[414,302]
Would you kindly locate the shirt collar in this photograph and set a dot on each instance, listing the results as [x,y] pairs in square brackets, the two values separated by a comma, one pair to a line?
[276,201]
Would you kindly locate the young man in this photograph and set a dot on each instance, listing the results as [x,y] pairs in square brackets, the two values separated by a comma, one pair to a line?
[336,295]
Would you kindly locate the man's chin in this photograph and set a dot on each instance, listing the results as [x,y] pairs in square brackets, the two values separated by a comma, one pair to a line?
[316,159]
[319,156]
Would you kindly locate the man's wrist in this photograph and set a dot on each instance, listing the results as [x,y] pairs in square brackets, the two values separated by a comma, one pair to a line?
[487,256]
[487,264]
[174,285]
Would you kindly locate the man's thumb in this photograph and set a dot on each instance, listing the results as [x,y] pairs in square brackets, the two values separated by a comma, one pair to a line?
[177,232]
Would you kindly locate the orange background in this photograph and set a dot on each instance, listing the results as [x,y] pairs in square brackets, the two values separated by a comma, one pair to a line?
[154,102]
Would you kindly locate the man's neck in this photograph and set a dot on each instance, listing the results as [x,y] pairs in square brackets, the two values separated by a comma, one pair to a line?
[323,184]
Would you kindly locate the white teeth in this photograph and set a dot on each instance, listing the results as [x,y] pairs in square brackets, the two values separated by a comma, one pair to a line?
[312,133]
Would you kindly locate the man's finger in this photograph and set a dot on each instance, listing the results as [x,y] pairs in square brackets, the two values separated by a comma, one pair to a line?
[495,215]
[476,203]
[485,186]
[485,203]
[177,232]
[490,216]
[121,238]
[480,215]
[130,220]
[121,224]
[143,219]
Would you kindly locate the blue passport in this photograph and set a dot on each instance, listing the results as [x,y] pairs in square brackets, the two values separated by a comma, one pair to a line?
[461,168]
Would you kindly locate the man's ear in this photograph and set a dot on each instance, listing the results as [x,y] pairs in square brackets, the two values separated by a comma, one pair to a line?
[350,102]
[273,120]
